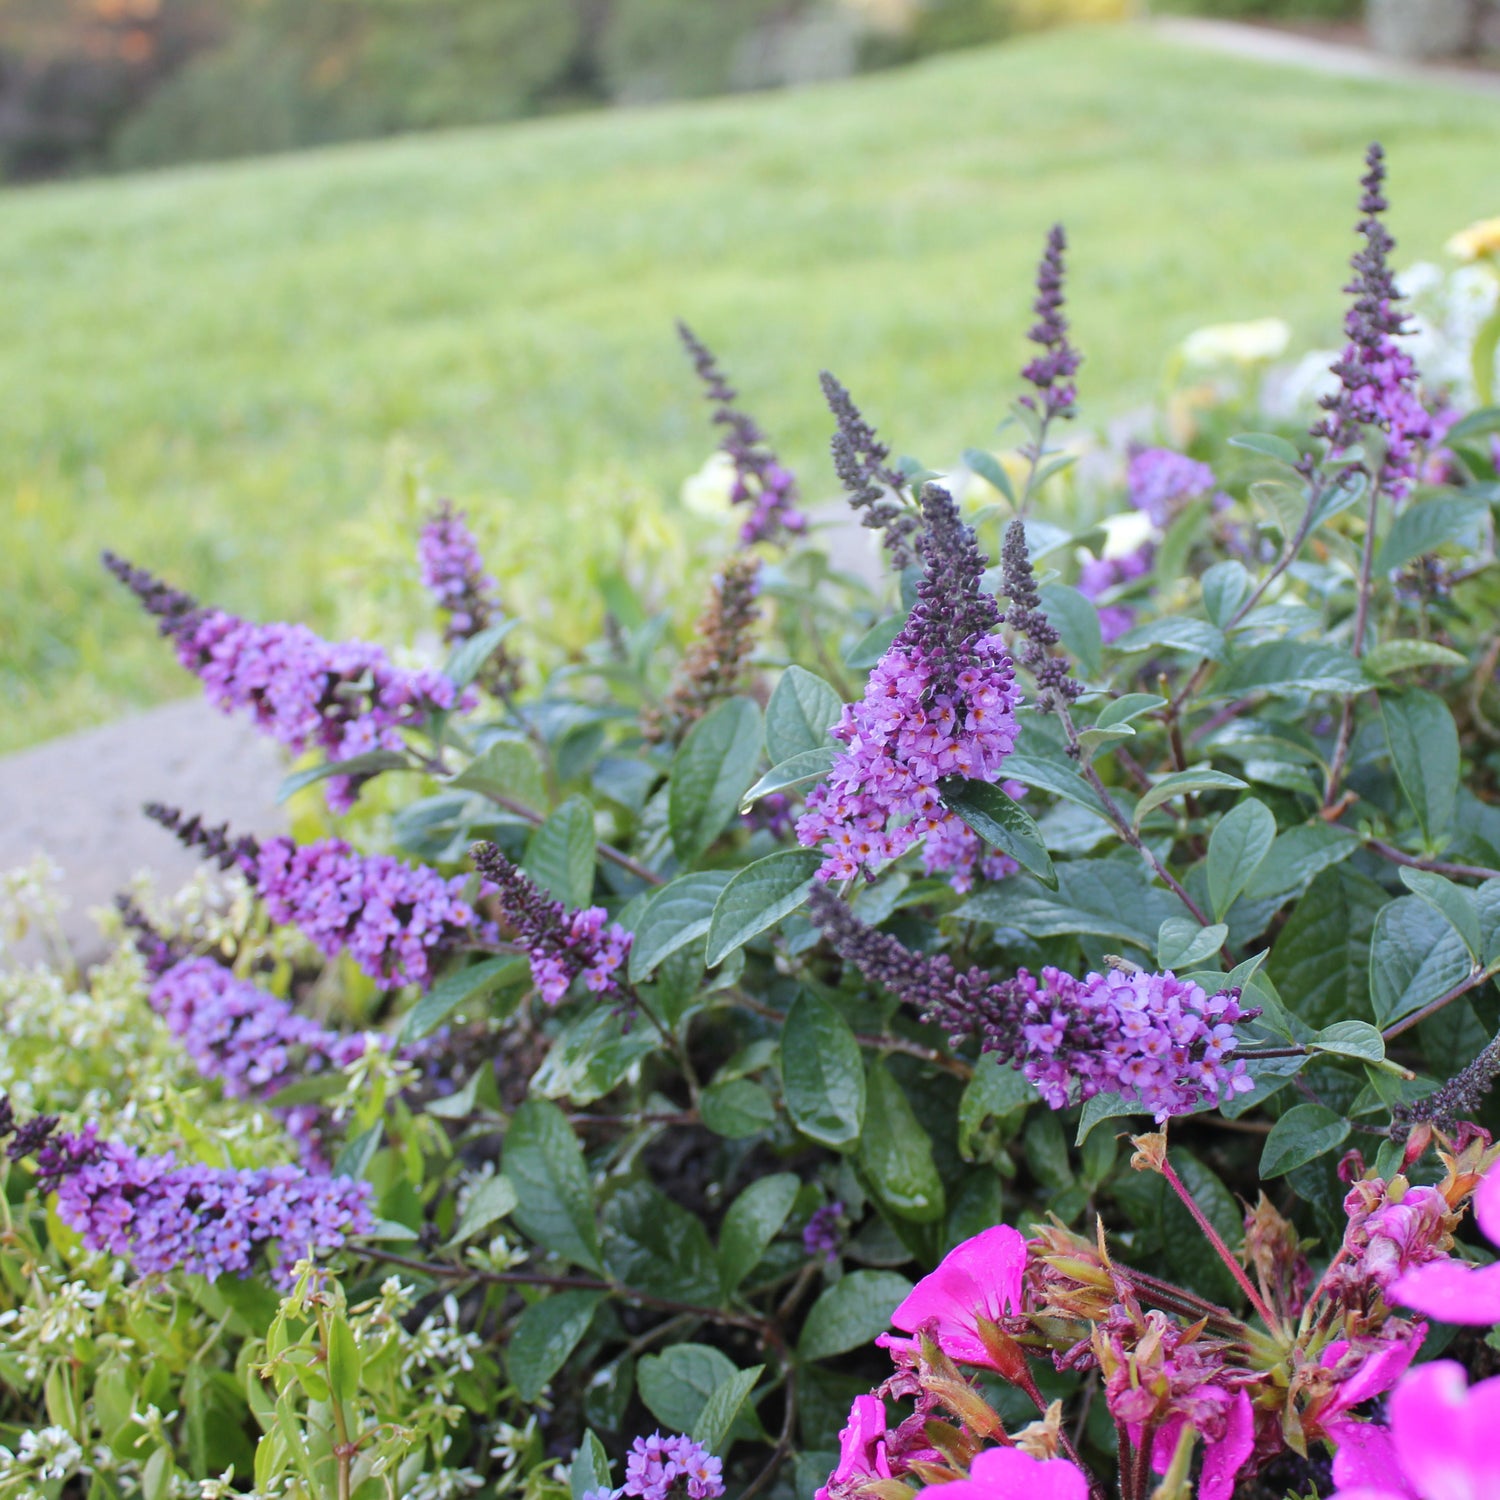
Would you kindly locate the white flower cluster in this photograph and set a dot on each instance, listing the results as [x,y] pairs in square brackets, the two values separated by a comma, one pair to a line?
[51,1453]
[49,1326]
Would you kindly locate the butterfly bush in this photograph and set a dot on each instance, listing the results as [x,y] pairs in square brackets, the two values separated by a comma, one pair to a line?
[969,1033]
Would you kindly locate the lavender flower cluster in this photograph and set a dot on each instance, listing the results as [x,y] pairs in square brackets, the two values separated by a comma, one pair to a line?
[657,1467]
[253,1042]
[1052,371]
[207,1221]
[394,920]
[760,479]
[1377,377]
[453,573]
[940,702]
[561,943]
[1160,481]
[1152,1038]
[346,697]
[1100,574]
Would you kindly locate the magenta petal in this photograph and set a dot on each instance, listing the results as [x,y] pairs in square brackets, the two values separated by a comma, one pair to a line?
[1011,1474]
[1379,1372]
[1364,1492]
[1223,1460]
[1487,1206]
[1451,1291]
[1444,1431]
[980,1278]
[1366,1459]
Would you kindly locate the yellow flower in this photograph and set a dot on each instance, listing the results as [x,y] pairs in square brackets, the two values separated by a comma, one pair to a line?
[1478,242]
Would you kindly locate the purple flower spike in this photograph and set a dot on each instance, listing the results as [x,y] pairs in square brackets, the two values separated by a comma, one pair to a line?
[1052,371]
[760,480]
[1161,481]
[1148,1037]
[940,702]
[1377,377]
[561,943]
[346,697]
[453,573]
[824,1232]
[657,1467]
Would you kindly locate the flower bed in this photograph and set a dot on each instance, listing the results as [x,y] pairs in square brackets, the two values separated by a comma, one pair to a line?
[1024,1029]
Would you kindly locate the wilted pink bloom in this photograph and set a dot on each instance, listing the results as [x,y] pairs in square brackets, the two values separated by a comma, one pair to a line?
[1450,1290]
[1227,1442]
[980,1278]
[1361,1373]
[862,1447]
[1013,1474]
[1440,1444]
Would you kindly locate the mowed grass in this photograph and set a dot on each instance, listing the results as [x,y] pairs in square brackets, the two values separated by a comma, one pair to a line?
[218,370]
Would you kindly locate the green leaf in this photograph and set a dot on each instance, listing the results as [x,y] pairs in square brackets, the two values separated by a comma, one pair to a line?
[344,1361]
[873,644]
[851,1312]
[1077,622]
[1452,901]
[1476,424]
[822,1075]
[590,1057]
[720,1410]
[456,988]
[1355,1039]
[736,1109]
[1181,943]
[590,1468]
[1304,1133]
[560,854]
[1296,857]
[1000,821]
[1391,657]
[896,1152]
[371,763]
[996,1090]
[810,765]
[678,914]
[801,712]
[754,1219]
[1126,707]
[1177,783]
[1197,637]
[470,656]
[656,1246]
[544,1336]
[677,1383]
[1289,667]
[356,1156]
[491,1199]
[1423,741]
[991,470]
[1059,778]
[1428,525]
[1225,587]
[1189,1256]
[507,768]
[544,1163]
[710,774]
[1322,954]
[758,897]
[1415,956]
[1101,1107]
[1240,841]
[1103,897]
[1269,445]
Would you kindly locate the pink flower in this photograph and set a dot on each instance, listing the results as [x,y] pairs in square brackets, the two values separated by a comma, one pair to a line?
[1440,1444]
[1013,1474]
[1224,1452]
[1362,1371]
[1448,1289]
[979,1279]
[862,1447]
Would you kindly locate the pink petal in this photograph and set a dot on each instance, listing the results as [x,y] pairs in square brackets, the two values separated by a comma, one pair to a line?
[1364,1492]
[1222,1460]
[1445,1433]
[1366,1459]
[1379,1372]
[1451,1291]
[980,1278]
[1487,1205]
[1010,1474]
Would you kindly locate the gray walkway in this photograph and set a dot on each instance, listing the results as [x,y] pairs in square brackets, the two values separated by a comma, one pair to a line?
[1264,44]
[79,799]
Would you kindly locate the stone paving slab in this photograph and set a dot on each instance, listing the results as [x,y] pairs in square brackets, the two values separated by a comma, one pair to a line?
[1265,44]
[78,799]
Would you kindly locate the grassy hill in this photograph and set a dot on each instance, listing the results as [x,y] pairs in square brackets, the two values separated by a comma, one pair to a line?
[217,370]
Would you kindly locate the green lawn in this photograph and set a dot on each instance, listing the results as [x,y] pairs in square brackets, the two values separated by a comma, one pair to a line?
[217,370]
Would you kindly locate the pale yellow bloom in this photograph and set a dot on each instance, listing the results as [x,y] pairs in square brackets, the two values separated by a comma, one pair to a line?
[1237,343]
[1479,241]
